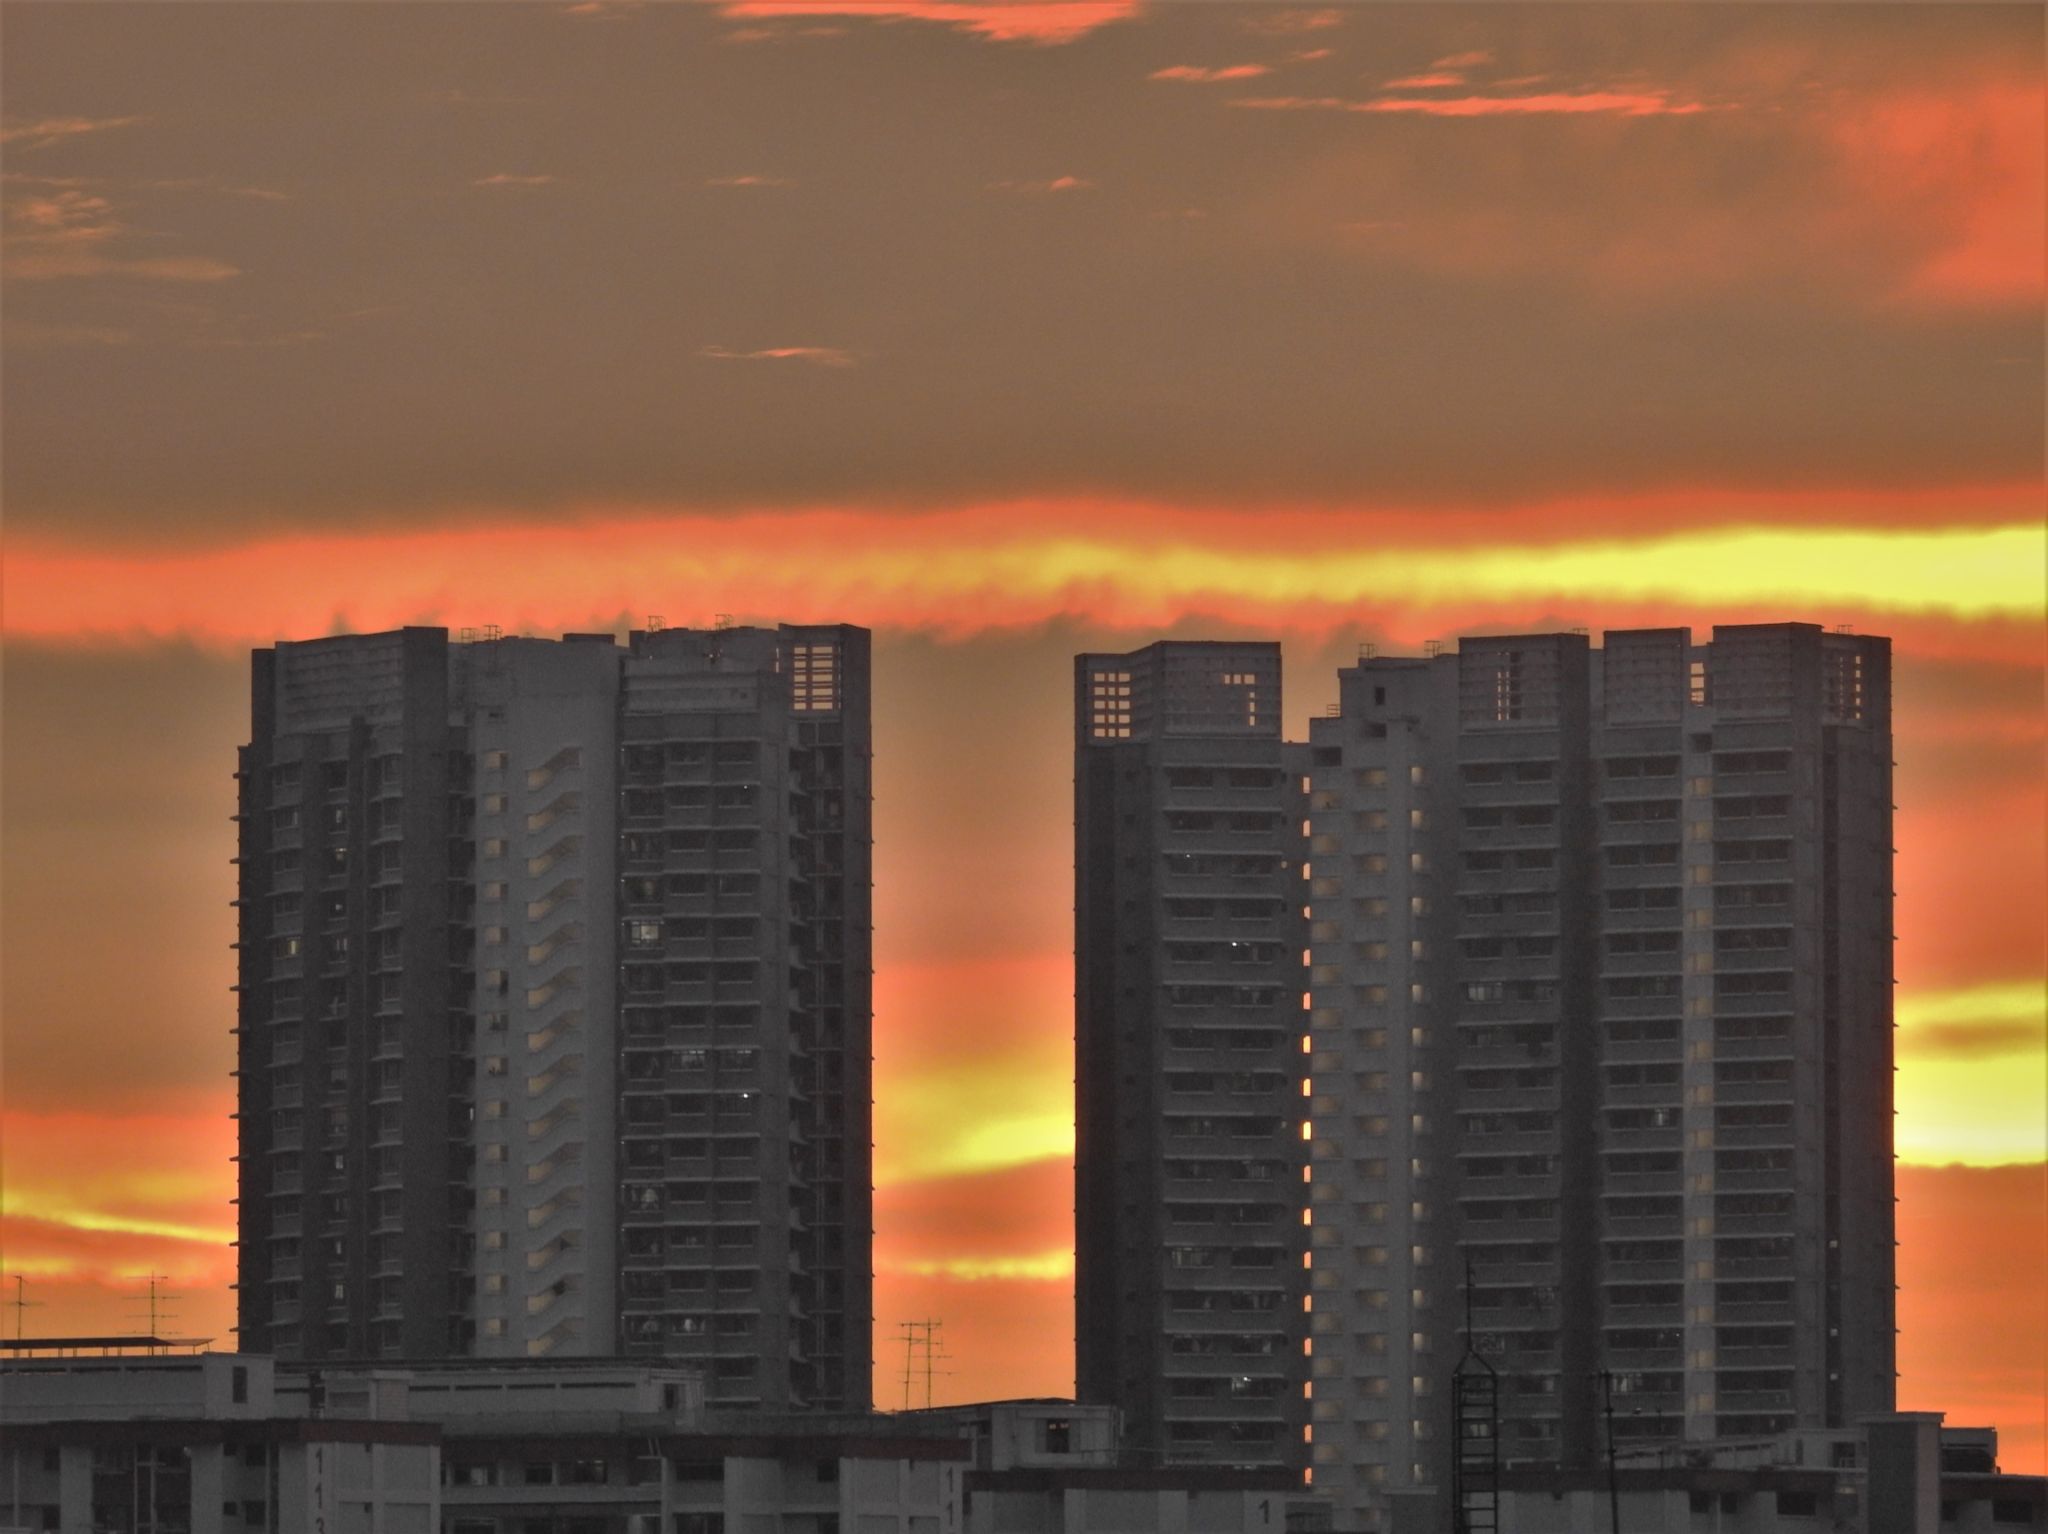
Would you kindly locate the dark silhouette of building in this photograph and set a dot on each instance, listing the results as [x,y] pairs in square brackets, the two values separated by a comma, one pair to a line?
[554,1003]
[1189,1035]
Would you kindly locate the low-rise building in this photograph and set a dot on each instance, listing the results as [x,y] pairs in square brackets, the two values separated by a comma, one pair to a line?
[137,1439]
[144,1441]
[1896,1473]
[1057,1467]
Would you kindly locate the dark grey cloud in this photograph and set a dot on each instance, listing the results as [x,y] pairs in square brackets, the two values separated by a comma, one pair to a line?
[495,244]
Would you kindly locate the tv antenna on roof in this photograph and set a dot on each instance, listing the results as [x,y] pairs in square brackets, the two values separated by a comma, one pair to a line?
[157,1313]
[921,1346]
[22,1305]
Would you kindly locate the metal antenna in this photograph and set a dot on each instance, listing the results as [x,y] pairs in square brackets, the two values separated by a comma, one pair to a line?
[919,1342]
[933,1351]
[22,1305]
[156,1313]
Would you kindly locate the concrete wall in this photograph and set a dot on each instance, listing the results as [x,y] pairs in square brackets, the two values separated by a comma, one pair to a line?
[161,1385]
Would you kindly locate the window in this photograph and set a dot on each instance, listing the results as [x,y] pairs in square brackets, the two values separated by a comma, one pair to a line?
[1056,1436]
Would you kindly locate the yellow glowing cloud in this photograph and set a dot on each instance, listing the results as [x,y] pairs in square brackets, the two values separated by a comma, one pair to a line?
[2020,1001]
[1956,1111]
[1969,573]
[1045,1266]
[977,1118]
[30,1207]
[988,567]
[1973,1085]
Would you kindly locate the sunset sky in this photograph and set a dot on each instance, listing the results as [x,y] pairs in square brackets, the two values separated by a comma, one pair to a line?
[1008,330]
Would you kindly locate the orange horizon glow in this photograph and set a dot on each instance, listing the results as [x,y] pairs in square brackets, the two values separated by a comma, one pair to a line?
[1971,1248]
[1941,586]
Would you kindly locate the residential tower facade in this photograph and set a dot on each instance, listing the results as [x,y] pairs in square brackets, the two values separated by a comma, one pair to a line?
[1189,1067]
[554,1003]
[1601,1017]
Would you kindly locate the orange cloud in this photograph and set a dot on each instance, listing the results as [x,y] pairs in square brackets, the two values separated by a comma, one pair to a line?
[817,356]
[979,1056]
[66,232]
[98,1201]
[1968,589]
[1003,1338]
[1017,1212]
[509,178]
[1033,21]
[1288,23]
[1962,179]
[1545,104]
[80,1168]
[46,131]
[1042,188]
[1851,195]
[1197,75]
[1956,926]
[917,1002]
[47,266]
[1973,1331]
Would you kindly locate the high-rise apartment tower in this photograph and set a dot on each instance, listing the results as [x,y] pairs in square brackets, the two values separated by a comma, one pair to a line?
[554,1003]
[1601,1015]
[1189,1064]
